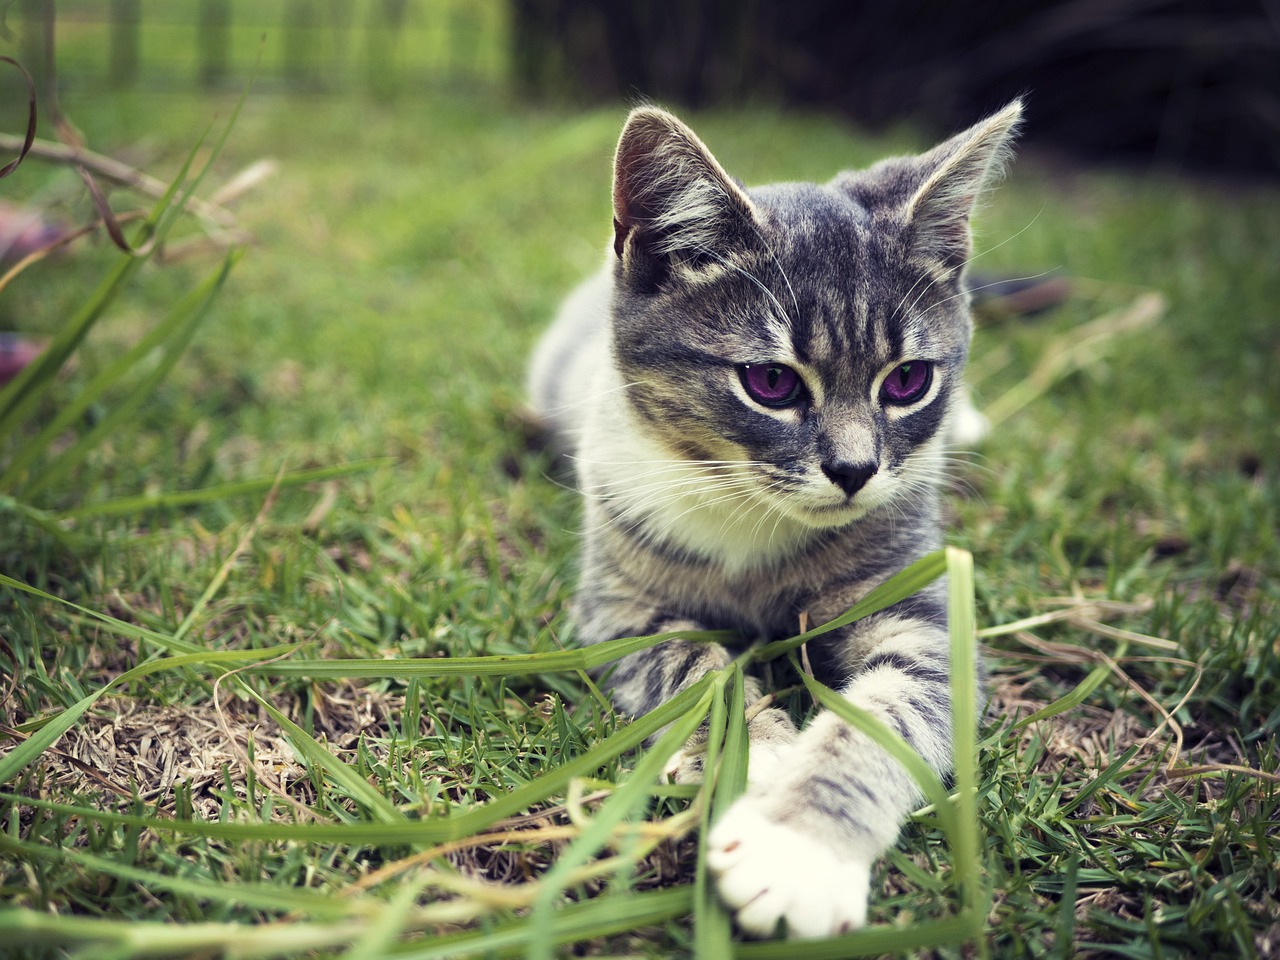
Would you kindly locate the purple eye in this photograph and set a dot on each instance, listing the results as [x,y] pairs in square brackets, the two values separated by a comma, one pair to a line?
[772,384]
[907,382]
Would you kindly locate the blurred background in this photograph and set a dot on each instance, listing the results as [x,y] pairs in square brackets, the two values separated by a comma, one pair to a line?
[1185,85]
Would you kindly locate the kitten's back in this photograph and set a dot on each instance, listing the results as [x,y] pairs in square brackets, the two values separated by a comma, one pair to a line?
[568,365]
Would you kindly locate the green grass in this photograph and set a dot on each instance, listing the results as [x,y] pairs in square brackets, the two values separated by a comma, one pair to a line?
[407,255]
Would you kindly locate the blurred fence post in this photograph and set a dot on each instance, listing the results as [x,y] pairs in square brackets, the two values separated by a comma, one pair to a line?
[300,36]
[386,20]
[213,30]
[340,20]
[122,62]
[36,44]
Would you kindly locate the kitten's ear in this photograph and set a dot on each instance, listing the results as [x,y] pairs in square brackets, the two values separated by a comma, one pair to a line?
[956,173]
[673,204]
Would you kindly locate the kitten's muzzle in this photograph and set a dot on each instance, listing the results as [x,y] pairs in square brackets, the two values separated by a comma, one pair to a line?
[849,477]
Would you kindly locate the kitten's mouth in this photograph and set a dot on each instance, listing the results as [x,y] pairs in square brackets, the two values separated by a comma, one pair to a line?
[836,514]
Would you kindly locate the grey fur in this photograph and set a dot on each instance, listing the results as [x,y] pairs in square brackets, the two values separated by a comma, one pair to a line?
[706,508]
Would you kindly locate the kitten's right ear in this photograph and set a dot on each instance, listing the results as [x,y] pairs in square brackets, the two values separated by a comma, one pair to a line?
[956,173]
[673,204]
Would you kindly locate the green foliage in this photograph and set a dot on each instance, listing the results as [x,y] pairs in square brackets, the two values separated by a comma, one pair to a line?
[31,465]
[365,682]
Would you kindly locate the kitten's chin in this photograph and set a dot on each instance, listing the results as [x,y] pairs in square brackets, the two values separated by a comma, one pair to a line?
[828,517]
[818,514]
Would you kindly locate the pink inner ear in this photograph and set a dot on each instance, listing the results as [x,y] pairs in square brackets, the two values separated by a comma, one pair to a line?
[655,153]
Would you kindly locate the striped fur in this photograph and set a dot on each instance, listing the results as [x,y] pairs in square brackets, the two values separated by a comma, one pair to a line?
[708,508]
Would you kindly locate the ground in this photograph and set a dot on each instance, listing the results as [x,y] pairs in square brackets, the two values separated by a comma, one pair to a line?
[1122,518]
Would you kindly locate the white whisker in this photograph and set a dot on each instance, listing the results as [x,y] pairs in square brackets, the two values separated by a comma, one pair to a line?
[961,267]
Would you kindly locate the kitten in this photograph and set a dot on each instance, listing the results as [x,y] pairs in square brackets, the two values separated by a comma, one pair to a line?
[755,392]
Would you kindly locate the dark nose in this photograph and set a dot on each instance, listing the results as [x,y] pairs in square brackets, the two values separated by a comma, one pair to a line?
[849,477]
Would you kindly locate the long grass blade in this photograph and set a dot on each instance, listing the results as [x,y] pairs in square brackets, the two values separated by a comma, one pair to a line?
[174,334]
[964,711]
[897,588]
[590,920]
[958,821]
[260,896]
[623,803]
[341,773]
[17,759]
[113,625]
[893,744]
[240,488]
[519,664]
[869,942]
[1078,695]
[525,664]
[21,394]
[725,775]
[379,938]
[40,519]
[20,927]
[433,830]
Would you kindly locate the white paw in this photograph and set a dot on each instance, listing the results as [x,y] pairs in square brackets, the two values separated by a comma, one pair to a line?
[768,871]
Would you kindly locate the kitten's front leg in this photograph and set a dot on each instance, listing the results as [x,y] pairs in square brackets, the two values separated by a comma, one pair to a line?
[800,847]
[642,681]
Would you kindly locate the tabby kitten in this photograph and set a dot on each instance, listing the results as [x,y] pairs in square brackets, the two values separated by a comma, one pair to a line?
[755,392]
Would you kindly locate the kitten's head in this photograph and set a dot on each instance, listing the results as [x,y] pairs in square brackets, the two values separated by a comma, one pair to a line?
[813,336]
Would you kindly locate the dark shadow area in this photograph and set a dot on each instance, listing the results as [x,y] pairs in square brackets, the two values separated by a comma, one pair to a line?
[1179,84]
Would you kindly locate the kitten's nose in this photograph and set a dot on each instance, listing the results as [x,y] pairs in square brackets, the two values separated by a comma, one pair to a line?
[849,477]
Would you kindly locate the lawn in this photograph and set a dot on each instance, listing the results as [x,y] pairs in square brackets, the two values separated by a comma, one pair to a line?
[1123,521]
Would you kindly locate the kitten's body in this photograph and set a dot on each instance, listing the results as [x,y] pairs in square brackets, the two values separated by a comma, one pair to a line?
[755,393]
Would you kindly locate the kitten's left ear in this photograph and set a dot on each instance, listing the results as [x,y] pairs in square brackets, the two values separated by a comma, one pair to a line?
[956,173]
[674,205]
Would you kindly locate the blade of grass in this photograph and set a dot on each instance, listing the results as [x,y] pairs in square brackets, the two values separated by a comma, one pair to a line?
[869,942]
[893,744]
[724,777]
[141,938]
[173,335]
[897,588]
[258,895]
[1113,770]
[964,711]
[42,519]
[959,821]
[341,773]
[1078,695]
[239,488]
[380,936]
[559,661]
[1064,935]
[520,664]
[17,759]
[433,830]
[115,626]
[20,395]
[624,801]
[589,920]
[731,774]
